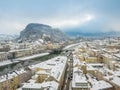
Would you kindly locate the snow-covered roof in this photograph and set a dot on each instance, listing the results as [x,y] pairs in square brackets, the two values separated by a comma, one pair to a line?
[100,85]
[11,75]
[51,85]
[53,68]
[116,80]
[79,80]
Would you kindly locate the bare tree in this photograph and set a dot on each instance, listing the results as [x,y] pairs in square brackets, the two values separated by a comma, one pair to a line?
[25,64]
[5,71]
[17,67]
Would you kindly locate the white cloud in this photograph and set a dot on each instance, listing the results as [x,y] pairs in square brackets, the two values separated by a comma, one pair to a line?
[15,26]
[69,22]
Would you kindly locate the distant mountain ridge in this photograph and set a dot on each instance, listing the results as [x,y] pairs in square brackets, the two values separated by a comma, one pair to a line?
[92,34]
[8,37]
[35,31]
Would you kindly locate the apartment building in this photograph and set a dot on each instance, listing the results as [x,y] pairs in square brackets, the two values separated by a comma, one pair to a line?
[12,80]
[3,56]
[114,81]
[4,48]
[98,84]
[79,81]
[48,74]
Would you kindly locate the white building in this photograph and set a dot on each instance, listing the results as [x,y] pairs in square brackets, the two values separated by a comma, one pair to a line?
[49,75]
[79,81]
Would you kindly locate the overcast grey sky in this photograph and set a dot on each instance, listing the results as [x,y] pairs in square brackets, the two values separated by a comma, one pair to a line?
[79,15]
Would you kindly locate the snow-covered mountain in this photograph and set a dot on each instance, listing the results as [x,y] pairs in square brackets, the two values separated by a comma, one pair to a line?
[8,37]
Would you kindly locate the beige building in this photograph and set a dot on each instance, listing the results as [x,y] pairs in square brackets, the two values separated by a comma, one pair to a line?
[4,48]
[20,53]
[79,81]
[114,81]
[3,56]
[13,80]
[51,71]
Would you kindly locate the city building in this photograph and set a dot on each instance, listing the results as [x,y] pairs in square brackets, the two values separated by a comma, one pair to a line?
[3,56]
[79,80]
[12,80]
[48,74]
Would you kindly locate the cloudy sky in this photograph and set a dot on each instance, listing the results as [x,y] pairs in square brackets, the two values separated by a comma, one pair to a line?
[68,15]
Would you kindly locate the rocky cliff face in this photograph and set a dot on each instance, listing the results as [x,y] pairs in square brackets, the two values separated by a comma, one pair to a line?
[35,31]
